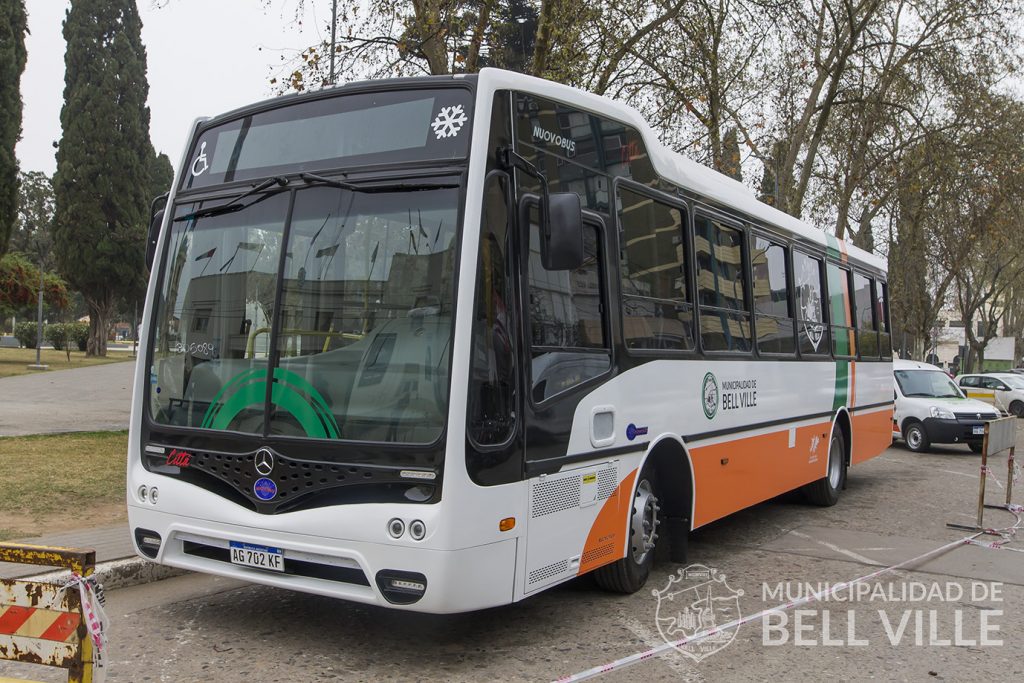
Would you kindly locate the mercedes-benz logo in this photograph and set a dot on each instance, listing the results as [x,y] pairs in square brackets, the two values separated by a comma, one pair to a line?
[264,461]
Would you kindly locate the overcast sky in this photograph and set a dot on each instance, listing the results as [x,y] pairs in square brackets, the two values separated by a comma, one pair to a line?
[204,58]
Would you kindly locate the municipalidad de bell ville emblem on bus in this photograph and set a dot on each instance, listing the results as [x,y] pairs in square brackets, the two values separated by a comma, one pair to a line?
[697,601]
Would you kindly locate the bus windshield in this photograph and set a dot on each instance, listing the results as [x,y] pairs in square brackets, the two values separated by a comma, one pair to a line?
[927,384]
[348,311]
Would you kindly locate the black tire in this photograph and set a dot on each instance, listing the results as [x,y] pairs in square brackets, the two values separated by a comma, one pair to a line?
[1017,409]
[629,574]
[976,446]
[825,491]
[916,438]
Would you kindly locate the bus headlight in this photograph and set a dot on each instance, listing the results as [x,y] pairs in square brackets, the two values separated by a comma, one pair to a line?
[417,530]
[396,528]
[143,493]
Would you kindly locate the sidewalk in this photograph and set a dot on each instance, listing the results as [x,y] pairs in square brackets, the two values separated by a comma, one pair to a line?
[110,543]
[89,399]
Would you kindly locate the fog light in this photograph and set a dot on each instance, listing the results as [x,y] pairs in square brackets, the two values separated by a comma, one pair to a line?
[153,495]
[148,542]
[417,530]
[143,493]
[396,528]
[401,587]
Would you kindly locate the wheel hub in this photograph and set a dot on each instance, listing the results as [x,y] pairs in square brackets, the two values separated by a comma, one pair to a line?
[644,522]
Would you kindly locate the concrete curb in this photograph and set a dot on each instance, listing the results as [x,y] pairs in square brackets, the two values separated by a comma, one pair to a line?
[123,573]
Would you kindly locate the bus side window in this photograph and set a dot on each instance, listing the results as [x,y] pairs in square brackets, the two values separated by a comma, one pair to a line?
[843,343]
[867,337]
[724,318]
[810,312]
[568,334]
[882,316]
[774,321]
[656,308]
[493,364]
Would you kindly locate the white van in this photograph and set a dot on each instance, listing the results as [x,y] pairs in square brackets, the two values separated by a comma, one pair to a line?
[931,408]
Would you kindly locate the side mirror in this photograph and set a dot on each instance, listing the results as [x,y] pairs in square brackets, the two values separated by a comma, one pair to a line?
[156,219]
[562,235]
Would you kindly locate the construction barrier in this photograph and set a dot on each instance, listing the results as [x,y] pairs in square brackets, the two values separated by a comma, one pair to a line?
[52,624]
[1000,435]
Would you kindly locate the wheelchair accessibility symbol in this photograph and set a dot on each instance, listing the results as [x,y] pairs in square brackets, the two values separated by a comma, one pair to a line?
[200,165]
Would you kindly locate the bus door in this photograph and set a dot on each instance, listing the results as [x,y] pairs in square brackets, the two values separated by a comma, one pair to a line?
[568,353]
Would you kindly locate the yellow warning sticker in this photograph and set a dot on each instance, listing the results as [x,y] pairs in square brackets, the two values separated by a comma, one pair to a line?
[589,478]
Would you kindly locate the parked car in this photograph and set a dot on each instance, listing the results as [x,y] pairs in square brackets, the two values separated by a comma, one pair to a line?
[1004,390]
[931,408]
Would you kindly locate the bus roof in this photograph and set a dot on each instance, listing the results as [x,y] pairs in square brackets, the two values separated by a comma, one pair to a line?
[672,166]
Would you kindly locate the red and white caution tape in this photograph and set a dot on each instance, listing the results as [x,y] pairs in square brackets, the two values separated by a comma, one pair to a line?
[95,622]
[1007,534]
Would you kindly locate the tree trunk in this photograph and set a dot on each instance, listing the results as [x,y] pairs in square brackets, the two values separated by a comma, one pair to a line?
[431,35]
[542,44]
[100,313]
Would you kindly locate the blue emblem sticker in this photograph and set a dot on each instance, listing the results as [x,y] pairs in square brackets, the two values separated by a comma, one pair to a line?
[632,431]
[265,489]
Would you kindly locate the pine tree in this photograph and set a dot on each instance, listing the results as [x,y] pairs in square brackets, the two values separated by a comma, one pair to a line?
[13,27]
[104,160]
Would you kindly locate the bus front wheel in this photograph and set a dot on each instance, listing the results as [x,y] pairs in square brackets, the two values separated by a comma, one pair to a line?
[629,574]
[825,491]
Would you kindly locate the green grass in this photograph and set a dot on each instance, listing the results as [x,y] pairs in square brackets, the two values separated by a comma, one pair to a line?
[54,481]
[16,361]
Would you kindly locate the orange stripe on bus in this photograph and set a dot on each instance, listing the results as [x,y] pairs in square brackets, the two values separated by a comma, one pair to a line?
[13,617]
[853,384]
[605,542]
[734,475]
[872,434]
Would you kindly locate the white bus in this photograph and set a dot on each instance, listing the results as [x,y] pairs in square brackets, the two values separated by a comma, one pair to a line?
[441,343]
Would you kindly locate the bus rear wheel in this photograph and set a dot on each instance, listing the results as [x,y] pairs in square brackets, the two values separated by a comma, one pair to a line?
[825,491]
[629,574]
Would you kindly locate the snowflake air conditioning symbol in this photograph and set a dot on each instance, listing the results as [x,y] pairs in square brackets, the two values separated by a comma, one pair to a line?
[449,122]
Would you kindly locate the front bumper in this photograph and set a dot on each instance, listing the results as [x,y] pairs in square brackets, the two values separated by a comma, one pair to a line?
[457,580]
[941,430]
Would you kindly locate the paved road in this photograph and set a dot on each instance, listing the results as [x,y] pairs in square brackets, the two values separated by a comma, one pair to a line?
[203,628]
[97,398]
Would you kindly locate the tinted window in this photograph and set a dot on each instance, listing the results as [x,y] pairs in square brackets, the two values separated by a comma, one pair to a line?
[839,307]
[567,319]
[810,312]
[969,381]
[657,313]
[867,338]
[330,132]
[492,370]
[725,322]
[882,317]
[771,297]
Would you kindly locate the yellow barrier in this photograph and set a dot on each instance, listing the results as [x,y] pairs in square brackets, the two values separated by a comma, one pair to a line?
[42,623]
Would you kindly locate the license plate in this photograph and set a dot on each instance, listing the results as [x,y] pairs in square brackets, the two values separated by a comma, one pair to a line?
[979,430]
[259,556]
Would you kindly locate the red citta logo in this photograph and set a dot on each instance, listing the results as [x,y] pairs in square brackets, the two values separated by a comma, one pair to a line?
[179,458]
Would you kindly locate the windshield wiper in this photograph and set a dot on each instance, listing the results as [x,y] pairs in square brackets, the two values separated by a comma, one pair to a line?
[400,186]
[233,204]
